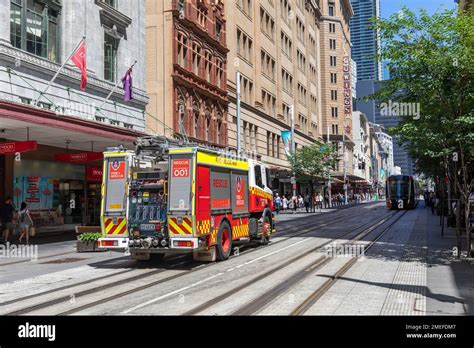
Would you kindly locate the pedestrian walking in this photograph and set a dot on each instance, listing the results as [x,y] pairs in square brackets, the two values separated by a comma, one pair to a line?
[277,203]
[285,203]
[294,201]
[25,223]
[307,202]
[8,211]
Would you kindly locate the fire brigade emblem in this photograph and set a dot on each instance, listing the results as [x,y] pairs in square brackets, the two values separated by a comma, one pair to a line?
[239,184]
[115,165]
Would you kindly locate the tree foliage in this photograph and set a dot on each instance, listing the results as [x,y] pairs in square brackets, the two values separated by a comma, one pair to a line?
[312,162]
[431,62]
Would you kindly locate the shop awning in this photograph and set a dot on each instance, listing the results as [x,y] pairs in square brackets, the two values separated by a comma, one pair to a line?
[19,122]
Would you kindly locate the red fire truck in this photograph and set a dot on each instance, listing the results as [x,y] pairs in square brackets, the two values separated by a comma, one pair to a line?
[204,202]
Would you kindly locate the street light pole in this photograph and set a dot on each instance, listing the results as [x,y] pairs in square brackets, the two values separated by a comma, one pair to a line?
[293,153]
[238,112]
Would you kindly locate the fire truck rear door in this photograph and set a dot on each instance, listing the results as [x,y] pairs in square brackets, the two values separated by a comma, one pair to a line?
[114,206]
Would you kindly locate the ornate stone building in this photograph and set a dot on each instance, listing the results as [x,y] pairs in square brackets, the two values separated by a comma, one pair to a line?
[186,70]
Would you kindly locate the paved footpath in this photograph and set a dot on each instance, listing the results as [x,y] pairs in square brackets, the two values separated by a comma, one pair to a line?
[410,271]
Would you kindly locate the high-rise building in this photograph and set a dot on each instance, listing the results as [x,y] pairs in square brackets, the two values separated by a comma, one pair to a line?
[186,60]
[366,40]
[52,133]
[274,45]
[336,82]
[372,109]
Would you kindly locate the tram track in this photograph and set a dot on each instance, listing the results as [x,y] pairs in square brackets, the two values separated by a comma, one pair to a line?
[304,306]
[308,228]
[360,232]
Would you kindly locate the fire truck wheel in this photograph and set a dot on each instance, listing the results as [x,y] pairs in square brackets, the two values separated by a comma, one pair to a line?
[266,230]
[224,241]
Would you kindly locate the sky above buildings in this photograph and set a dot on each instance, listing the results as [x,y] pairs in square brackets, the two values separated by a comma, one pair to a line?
[388,7]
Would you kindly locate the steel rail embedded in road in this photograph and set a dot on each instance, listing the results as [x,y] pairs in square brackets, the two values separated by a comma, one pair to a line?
[319,292]
[252,305]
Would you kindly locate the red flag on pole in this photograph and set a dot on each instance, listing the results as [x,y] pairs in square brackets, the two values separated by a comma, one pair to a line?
[79,58]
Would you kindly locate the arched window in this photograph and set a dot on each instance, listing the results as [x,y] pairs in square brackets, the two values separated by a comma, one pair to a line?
[196,120]
[182,47]
[219,128]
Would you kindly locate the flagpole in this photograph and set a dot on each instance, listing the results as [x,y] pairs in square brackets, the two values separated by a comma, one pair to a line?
[113,89]
[57,72]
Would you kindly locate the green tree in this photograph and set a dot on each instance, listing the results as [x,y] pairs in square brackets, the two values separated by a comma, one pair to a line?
[312,163]
[431,63]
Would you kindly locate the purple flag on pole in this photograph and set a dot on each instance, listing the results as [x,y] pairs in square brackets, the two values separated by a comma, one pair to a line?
[127,85]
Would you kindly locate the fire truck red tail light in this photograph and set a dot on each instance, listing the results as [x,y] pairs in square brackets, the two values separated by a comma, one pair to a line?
[184,243]
[109,243]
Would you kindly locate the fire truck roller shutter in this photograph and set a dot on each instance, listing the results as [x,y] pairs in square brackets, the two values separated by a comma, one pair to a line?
[220,190]
[180,177]
[240,192]
[115,190]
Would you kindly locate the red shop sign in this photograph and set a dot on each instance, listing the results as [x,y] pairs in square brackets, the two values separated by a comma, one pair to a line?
[94,173]
[81,157]
[17,146]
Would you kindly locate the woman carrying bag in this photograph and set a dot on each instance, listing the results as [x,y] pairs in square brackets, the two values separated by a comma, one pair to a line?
[25,222]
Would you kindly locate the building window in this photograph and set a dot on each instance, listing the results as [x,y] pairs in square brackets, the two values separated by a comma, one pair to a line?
[286,45]
[332,44]
[218,30]
[333,78]
[332,27]
[287,81]
[110,58]
[208,128]
[182,49]
[246,90]
[268,65]
[245,6]
[334,95]
[208,65]
[269,103]
[219,73]
[335,129]
[244,46]
[202,17]
[267,24]
[196,124]
[334,111]
[34,28]
[196,59]
[331,11]
[332,60]
[301,60]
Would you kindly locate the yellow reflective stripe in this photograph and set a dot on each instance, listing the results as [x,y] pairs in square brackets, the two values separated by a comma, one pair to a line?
[176,227]
[119,227]
[187,227]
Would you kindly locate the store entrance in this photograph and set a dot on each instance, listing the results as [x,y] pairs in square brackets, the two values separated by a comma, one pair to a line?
[71,197]
[93,204]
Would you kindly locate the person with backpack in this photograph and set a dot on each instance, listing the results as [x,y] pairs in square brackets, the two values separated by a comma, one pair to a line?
[25,222]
